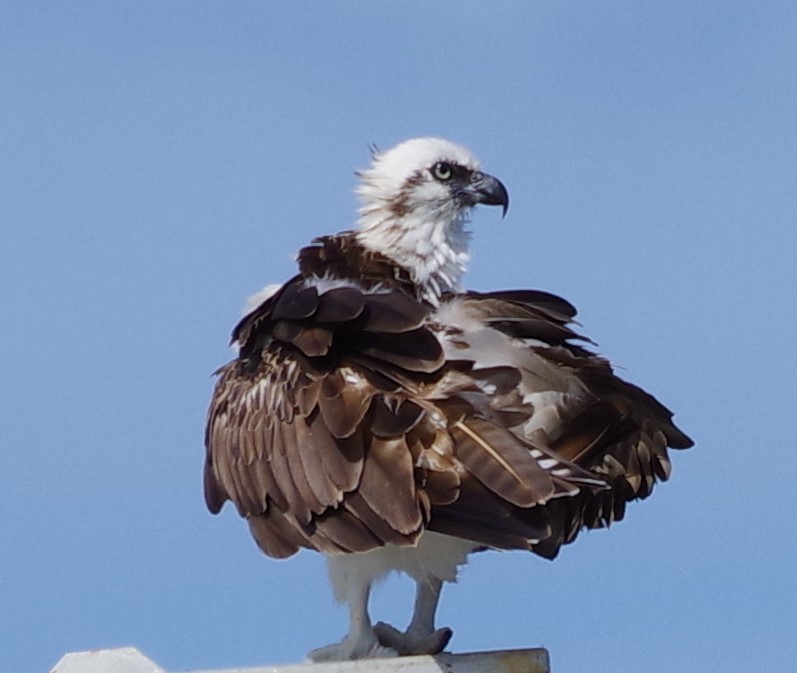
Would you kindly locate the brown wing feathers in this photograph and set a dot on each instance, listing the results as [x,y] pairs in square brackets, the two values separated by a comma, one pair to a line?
[617,432]
[341,427]
[305,446]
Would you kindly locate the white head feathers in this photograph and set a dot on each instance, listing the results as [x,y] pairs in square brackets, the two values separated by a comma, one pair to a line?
[415,203]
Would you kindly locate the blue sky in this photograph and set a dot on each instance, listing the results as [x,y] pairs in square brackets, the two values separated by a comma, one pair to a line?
[160,161]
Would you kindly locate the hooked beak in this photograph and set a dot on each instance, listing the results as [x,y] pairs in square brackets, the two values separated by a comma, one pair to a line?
[488,190]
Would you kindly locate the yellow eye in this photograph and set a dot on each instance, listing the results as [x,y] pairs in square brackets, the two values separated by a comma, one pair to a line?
[442,170]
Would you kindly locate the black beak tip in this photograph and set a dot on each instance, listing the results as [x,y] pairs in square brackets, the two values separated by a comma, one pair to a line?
[503,199]
[491,192]
[499,197]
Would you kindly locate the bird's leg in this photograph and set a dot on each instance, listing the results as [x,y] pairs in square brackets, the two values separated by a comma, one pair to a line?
[420,636]
[361,641]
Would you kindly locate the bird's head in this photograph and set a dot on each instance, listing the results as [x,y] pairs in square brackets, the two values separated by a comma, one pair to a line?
[416,199]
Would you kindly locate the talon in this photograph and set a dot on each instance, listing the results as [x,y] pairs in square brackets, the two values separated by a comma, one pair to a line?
[412,642]
[353,648]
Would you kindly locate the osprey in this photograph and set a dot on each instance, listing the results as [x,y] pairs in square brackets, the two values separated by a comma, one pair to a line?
[378,413]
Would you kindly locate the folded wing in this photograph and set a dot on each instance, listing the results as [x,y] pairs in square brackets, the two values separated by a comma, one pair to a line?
[358,417]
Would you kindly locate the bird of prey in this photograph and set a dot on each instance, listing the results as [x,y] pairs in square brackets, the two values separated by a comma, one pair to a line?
[380,414]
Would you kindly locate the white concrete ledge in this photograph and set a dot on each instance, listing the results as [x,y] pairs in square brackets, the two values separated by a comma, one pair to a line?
[120,660]
[130,660]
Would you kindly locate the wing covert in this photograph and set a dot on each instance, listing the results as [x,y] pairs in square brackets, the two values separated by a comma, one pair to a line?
[355,418]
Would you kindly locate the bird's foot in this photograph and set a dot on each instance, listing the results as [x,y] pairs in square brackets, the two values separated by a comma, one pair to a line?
[413,641]
[364,645]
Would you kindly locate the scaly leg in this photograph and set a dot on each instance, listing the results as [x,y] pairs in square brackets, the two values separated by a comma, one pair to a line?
[361,641]
[420,636]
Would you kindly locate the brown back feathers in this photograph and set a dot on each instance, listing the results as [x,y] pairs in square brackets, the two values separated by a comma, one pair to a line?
[357,415]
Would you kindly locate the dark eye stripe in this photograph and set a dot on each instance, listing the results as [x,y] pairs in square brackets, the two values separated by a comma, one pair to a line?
[445,171]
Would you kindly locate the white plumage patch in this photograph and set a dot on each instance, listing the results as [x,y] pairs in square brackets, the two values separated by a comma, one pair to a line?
[390,170]
[411,218]
[260,296]
[436,556]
